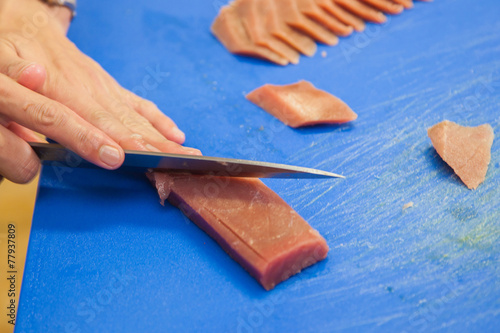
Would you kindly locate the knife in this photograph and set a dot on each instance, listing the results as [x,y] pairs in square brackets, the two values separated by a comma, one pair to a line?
[56,155]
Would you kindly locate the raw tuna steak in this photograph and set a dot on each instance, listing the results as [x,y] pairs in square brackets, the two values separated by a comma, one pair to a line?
[467,150]
[249,221]
[301,104]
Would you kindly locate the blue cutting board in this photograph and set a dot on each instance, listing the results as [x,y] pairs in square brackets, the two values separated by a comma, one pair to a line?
[105,256]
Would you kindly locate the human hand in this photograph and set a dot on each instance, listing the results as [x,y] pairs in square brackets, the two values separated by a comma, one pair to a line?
[48,85]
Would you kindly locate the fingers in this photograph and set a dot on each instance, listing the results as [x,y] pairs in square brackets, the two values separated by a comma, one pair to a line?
[18,162]
[137,114]
[56,121]
[94,104]
[27,73]
[133,122]
[160,121]
[126,127]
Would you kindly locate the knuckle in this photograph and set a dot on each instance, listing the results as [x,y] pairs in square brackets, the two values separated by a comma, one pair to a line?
[134,122]
[104,120]
[87,141]
[138,137]
[120,109]
[44,114]
[101,116]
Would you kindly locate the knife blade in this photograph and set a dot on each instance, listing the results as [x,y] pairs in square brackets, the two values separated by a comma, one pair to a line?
[56,155]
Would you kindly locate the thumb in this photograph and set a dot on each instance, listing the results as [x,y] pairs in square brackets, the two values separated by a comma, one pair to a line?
[27,73]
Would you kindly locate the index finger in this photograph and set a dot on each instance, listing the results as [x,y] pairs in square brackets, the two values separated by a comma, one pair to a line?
[58,122]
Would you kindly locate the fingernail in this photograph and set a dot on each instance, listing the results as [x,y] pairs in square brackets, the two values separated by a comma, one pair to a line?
[152,148]
[192,151]
[110,156]
[178,135]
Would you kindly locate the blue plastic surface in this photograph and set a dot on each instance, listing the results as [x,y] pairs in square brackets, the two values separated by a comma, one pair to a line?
[105,256]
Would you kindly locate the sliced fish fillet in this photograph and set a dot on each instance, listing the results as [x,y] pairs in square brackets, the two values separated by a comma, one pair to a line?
[281,30]
[301,104]
[253,15]
[467,150]
[342,15]
[230,31]
[289,11]
[385,6]
[278,28]
[249,221]
[363,11]
[406,3]
[312,10]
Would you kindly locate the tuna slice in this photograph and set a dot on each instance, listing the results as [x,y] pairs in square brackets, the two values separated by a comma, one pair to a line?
[342,15]
[253,15]
[301,104]
[289,11]
[467,150]
[279,30]
[249,221]
[406,3]
[363,11]
[387,6]
[314,11]
[276,25]
[230,31]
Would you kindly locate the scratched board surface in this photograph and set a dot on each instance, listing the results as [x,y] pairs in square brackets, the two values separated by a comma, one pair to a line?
[105,256]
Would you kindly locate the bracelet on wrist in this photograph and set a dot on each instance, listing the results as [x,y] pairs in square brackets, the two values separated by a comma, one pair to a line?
[70,4]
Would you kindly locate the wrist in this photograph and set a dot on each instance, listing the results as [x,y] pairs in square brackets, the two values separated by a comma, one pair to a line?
[63,15]
[33,15]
